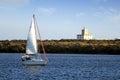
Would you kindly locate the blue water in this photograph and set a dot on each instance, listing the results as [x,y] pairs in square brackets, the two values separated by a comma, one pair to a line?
[62,67]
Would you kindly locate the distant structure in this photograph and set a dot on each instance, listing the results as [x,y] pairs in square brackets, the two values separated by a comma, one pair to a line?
[85,35]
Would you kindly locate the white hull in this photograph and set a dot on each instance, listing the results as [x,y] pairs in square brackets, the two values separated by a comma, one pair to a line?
[35,62]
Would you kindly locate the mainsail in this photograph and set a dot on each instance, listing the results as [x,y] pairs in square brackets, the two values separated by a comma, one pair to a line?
[31,47]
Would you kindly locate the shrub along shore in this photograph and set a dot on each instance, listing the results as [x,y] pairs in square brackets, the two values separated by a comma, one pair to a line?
[65,46]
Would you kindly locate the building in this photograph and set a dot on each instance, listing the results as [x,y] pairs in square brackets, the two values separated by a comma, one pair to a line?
[85,35]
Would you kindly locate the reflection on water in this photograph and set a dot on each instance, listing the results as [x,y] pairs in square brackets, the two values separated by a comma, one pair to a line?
[33,69]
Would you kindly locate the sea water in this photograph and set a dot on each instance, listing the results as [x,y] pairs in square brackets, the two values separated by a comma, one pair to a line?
[62,67]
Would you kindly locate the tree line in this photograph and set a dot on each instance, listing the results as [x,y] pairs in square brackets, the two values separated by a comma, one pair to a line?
[65,46]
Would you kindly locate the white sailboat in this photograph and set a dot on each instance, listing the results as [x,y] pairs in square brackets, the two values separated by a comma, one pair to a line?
[32,57]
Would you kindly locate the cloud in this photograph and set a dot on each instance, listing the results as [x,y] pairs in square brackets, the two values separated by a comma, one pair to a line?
[102,0]
[80,14]
[12,3]
[109,14]
[114,17]
[46,11]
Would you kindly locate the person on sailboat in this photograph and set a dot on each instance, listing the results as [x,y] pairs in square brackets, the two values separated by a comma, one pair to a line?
[26,57]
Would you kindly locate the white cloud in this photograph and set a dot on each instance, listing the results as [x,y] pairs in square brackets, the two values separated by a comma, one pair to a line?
[46,11]
[12,3]
[102,0]
[80,14]
[115,18]
[109,14]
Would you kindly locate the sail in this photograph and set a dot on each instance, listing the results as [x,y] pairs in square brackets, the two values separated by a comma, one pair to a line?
[31,47]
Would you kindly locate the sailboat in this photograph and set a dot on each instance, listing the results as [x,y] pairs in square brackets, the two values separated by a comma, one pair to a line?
[32,57]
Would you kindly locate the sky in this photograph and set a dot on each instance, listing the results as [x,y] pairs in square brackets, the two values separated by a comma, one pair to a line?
[60,19]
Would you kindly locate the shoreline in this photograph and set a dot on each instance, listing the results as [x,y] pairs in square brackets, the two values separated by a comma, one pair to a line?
[69,54]
[107,47]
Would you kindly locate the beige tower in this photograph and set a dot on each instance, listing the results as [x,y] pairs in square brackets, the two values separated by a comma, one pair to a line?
[85,35]
[85,31]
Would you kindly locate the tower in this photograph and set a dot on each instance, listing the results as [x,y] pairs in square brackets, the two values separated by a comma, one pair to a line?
[85,35]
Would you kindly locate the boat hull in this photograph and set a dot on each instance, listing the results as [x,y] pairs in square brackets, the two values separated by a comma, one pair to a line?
[34,62]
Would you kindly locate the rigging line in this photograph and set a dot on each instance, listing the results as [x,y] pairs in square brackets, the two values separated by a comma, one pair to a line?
[41,42]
